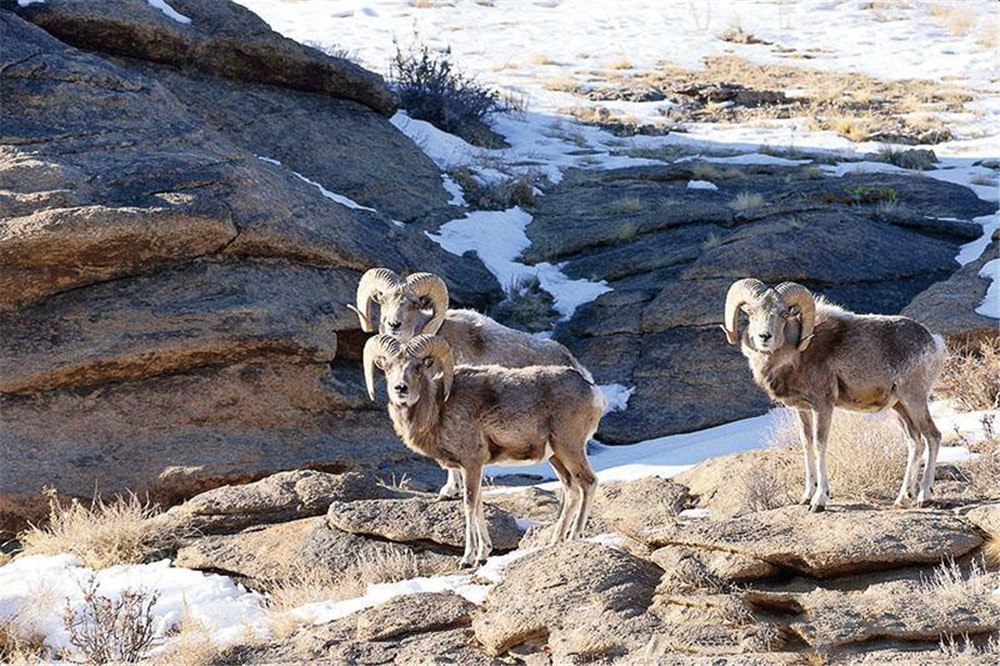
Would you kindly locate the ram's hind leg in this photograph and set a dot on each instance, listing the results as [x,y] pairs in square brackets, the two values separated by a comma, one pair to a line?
[569,500]
[808,452]
[908,489]
[587,483]
[932,437]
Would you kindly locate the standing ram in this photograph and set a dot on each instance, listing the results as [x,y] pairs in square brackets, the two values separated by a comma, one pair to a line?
[467,417]
[813,356]
[418,305]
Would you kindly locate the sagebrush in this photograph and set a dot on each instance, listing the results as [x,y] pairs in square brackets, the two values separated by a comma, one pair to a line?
[110,630]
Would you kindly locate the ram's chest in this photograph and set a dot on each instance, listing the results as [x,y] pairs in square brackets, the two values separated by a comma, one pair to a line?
[779,384]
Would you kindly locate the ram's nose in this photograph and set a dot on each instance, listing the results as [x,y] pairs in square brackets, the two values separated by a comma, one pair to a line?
[395,326]
[401,389]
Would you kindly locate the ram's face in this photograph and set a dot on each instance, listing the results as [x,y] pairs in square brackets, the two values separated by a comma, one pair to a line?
[769,320]
[404,378]
[400,314]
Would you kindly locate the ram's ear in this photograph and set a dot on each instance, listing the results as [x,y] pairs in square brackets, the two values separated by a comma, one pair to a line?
[794,311]
[428,362]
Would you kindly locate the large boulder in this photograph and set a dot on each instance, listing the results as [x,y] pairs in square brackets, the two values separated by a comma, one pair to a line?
[414,614]
[670,252]
[218,37]
[582,597]
[839,541]
[171,304]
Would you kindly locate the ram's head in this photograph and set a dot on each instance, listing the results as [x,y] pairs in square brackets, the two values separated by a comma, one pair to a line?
[778,315]
[410,368]
[407,307]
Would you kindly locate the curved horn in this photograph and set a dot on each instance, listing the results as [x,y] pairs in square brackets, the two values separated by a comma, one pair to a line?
[378,346]
[372,282]
[424,346]
[741,291]
[793,293]
[434,288]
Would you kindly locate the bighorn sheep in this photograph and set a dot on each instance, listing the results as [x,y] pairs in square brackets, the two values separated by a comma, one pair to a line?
[813,356]
[419,305]
[466,417]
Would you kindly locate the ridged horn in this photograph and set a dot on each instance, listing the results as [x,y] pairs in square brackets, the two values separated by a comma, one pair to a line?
[378,346]
[372,283]
[793,293]
[741,291]
[424,346]
[434,288]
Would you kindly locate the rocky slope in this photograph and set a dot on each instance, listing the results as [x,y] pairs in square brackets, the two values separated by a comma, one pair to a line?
[172,307]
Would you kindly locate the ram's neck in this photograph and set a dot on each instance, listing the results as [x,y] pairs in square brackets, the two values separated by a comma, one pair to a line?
[773,372]
[417,425]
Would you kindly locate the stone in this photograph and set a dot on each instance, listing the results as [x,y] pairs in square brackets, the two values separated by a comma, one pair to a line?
[629,507]
[270,555]
[986,517]
[222,38]
[842,540]
[414,614]
[277,498]
[419,519]
[578,595]
[920,159]
[711,569]
[531,503]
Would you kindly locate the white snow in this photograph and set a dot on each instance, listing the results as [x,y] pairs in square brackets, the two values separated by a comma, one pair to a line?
[454,189]
[701,185]
[616,396]
[693,514]
[990,307]
[39,587]
[499,239]
[168,10]
[339,198]
[748,159]
[25,3]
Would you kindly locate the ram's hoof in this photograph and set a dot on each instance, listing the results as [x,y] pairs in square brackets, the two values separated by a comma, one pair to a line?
[465,565]
[481,562]
[817,508]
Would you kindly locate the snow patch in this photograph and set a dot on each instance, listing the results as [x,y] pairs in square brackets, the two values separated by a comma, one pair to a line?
[163,7]
[693,514]
[454,189]
[47,583]
[701,185]
[339,198]
[499,239]
[990,307]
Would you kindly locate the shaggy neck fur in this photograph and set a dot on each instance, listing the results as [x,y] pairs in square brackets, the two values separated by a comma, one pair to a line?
[417,424]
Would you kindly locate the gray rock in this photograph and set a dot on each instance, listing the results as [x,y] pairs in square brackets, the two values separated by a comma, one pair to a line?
[414,614]
[221,38]
[277,498]
[920,159]
[839,541]
[419,519]
[584,597]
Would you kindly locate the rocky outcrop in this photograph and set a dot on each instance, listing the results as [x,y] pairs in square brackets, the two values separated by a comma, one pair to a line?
[842,540]
[171,304]
[419,519]
[583,598]
[672,252]
[414,614]
[218,37]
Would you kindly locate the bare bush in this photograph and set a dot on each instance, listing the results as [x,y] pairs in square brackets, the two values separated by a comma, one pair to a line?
[111,630]
[102,535]
[190,644]
[971,375]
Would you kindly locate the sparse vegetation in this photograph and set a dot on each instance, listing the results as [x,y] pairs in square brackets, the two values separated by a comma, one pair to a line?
[971,375]
[956,18]
[527,307]
[430,89]
[983,471]
[103,535]
[745,201]
[625,205]
[112,630]
[704,171]
[518,190]
[714,240]
[621,63]
[190,644]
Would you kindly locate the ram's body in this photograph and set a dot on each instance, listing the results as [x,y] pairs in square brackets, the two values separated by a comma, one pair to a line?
[466,417]
[813,356]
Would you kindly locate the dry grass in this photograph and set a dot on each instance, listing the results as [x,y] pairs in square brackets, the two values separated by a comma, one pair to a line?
[747,201]
[103,535]
[311,584]
[714,240]
[949,580]
[190,645]
[991,551]
[561,84]
[621,63]
[704,171]
[988,38]
[866,455]
[851,127]
[625,205]
[541,59]
[22,631]
[971,375]
[956,18]
[984,470]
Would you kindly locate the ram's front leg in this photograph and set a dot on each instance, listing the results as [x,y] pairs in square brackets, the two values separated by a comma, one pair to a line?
[471,478]
[823,418]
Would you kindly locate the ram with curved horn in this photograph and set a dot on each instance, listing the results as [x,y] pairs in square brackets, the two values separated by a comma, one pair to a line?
[419,305]
[466,417]
[812,356]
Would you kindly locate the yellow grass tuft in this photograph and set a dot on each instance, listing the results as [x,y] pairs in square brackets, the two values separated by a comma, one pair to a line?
[622,63]
[103,535]
[541,59]
[704,171]
[747,201]
[956,18]
[625,205]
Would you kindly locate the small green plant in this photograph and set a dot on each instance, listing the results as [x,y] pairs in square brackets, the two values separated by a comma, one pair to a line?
[864,194]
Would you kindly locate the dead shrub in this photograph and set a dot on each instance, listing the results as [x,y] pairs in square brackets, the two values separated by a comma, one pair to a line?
[111,630]
[971,375]
[190,644]
[102,535]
